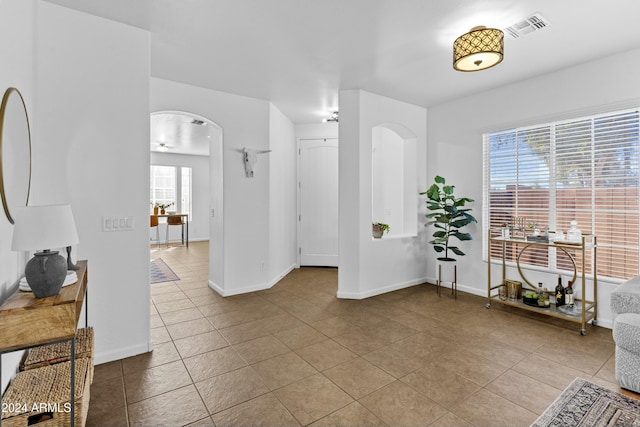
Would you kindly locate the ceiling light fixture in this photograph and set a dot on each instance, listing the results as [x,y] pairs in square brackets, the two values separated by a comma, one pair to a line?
[334,118]
[479,49]
[162,148]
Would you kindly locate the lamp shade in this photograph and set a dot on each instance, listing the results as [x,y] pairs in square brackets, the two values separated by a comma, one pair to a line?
[479,49]
[43,227]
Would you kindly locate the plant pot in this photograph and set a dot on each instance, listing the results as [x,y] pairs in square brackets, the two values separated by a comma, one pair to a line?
[162,211]
[155,211]
[446,269]
[377,232]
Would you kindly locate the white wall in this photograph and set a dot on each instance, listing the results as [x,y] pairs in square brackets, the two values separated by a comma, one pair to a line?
[317,130]
[373,266]
[245,122]
[457,127]
[283,241]
[199,218]
[92,151]
[17,50]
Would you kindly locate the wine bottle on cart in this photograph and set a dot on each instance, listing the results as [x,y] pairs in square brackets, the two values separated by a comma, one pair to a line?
[560,297]
[569,297]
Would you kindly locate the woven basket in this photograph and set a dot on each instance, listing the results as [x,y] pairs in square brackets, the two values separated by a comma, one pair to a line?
[40,397]
[61,352]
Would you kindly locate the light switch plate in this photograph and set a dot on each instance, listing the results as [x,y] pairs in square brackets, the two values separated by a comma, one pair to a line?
[118,223]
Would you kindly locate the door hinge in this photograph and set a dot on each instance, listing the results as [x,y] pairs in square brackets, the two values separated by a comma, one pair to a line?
[299,217]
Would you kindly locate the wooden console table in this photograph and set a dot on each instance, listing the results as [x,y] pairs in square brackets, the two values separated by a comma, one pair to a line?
[27,321]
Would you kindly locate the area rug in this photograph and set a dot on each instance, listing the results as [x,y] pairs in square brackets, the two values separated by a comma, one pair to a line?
[584,404]
[159,272]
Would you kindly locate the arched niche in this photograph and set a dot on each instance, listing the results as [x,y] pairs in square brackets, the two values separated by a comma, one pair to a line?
[394,179]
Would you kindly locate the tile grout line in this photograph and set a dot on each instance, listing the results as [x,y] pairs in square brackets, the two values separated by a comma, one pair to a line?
[371,308]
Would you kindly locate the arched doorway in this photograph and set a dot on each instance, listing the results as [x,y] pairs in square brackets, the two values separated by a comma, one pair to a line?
[184,139]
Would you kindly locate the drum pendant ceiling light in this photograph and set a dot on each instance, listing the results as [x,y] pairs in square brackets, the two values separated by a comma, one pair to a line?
[479,49]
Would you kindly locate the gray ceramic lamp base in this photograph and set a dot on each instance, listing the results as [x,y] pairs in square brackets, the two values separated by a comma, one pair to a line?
[45,273]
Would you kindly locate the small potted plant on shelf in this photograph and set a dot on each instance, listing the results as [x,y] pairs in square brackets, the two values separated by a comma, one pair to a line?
[163,207]
[155,208]
[379,228]
[448,215]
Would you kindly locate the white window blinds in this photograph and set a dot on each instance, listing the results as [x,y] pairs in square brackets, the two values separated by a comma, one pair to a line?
[163,185]
[172,184]
[585,169]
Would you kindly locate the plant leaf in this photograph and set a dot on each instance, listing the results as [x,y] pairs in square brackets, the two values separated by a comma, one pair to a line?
[448,189]
[460,223]
[451,209]
[439,179]
[463,236]
[470,217]
[433,193]
[461,201]
[456,251]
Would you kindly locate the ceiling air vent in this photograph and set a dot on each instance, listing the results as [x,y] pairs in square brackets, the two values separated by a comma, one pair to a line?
[533,23]
[197,122]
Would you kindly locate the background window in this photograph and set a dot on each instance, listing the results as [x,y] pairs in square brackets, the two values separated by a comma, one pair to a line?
[585,169]
[171,184]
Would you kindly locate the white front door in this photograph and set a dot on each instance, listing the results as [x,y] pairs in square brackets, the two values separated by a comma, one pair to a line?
[318,240]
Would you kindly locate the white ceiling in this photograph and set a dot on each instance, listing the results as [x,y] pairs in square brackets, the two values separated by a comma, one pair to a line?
[299,53]
[180,133]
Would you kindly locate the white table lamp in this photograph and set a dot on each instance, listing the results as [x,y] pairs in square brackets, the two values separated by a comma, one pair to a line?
[40,228]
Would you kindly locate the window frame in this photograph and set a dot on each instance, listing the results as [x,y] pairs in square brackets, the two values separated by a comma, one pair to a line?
[178,188]
[555,186]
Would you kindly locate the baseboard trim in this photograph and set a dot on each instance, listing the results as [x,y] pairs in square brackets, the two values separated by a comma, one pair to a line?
[121,353]
[245,290]
[380,291]
[253,288]
[281,276]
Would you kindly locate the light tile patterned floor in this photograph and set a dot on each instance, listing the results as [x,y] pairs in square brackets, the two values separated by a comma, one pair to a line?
[296,355]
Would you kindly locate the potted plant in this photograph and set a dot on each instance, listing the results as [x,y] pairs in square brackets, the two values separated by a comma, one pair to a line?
[379,228]
[155,208]
[163,207]
[448,214]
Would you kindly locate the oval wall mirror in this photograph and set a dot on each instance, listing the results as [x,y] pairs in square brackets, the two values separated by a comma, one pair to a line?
[15,152]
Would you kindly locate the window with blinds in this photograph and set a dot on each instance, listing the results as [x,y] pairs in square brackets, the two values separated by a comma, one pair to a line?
[584,169]
[171,184]
[163,185]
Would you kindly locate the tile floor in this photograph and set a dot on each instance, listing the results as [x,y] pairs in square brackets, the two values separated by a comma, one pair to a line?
[295,355]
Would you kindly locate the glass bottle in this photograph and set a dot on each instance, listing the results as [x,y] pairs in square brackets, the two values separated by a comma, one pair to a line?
[545,297]
[569,298]
[574,235]
[540,295]
[560,293]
